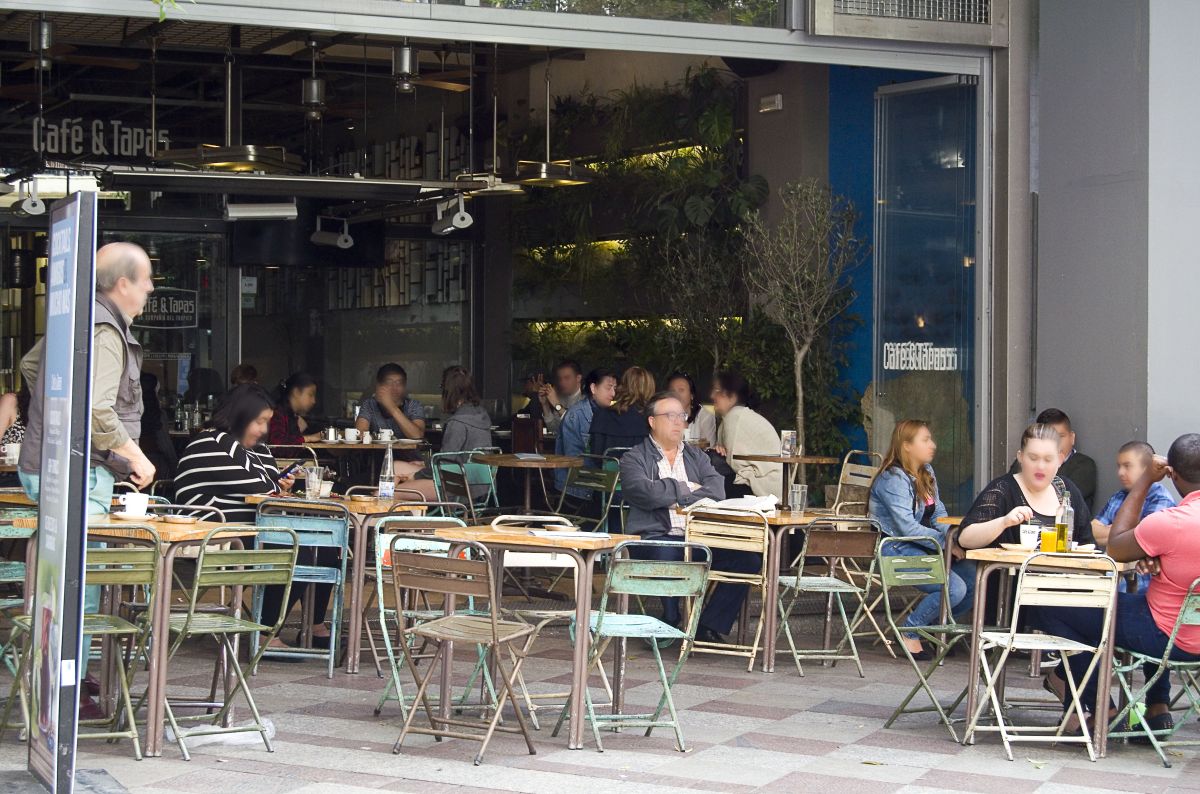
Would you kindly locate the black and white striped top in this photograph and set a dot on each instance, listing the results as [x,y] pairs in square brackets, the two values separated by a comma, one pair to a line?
[217,471]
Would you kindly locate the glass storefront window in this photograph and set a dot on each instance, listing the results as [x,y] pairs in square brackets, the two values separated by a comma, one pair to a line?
[925,273]
[754,13]
[185,328]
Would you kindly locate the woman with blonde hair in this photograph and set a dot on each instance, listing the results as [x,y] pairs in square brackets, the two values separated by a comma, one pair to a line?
[623,424]
[904,499]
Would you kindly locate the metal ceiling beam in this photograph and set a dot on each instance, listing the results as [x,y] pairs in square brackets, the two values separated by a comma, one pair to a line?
[148,32]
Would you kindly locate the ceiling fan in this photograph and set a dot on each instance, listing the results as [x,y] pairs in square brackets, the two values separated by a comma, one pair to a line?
[406,73]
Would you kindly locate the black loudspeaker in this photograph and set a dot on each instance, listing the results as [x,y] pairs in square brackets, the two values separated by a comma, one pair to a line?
[22,269]
[746,68]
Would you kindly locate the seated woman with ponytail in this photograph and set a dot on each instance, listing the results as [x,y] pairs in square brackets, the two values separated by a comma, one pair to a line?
[296,397]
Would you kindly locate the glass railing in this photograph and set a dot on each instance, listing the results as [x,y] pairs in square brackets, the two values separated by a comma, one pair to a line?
[752,13]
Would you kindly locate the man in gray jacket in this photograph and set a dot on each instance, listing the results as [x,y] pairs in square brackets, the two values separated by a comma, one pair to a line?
[662,474]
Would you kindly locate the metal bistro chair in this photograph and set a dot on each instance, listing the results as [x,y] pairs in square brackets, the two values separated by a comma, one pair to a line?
[897,570]
[318,525]
[1095,588]
[466,481]
[612,462]
[1131,661]
[748,536]
[686,579]
[854,481]
[232,569]
[836,546]
[122,566]
[454,578]
[400,533]
[601,480]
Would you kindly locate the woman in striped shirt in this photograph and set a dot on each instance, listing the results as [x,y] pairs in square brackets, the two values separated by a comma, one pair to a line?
[225,464]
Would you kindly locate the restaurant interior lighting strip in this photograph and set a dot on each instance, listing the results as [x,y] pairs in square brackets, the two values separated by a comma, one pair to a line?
[325,187]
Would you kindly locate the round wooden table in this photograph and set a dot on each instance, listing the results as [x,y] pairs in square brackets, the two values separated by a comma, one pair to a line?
[790,460]
[522,461]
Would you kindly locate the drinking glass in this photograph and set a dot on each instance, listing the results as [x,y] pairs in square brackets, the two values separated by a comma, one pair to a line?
[312,483]
[798,497]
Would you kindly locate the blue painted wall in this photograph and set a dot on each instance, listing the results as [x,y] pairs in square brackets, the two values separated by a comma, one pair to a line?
[852,174]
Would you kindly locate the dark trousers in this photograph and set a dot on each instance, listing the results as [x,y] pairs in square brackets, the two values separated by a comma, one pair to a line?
[1135,630]
[273,596]
[725,602]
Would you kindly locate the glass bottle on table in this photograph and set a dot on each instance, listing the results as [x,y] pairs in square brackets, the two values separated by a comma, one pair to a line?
[387,480]
[1064,524]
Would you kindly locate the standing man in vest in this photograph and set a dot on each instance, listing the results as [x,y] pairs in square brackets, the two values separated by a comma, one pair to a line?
[122,285]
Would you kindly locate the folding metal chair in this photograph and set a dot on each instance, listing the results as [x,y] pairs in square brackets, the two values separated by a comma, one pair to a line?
[318,525]
[1039,586]
[836,546]
[751,536]
[854,481]
[906,571]
[460,478]
[1129,662]
[613,462]
[454,578]
[231,570]
[600,480]
[123,566]
[687,579]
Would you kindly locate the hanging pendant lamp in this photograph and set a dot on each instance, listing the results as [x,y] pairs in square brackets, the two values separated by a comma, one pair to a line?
[550,173]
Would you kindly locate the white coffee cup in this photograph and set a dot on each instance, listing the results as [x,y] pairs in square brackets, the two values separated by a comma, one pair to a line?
[326,488]
[135,503]
[351,435]
[385,435]
[1031,535]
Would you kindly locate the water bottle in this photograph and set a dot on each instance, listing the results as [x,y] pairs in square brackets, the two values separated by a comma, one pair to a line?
[387,483]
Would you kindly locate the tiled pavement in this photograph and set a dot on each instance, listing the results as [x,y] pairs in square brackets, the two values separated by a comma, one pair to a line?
[747,732]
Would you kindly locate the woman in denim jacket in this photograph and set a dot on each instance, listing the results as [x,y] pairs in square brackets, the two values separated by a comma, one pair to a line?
[904,500]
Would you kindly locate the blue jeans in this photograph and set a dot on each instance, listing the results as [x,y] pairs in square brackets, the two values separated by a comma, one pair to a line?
[1135,631]
[100,494]
[960,583]
[725,602]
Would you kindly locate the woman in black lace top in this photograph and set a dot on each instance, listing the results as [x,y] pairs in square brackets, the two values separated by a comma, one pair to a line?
[1032,494]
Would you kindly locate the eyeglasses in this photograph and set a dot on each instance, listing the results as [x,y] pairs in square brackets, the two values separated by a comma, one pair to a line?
[675,417]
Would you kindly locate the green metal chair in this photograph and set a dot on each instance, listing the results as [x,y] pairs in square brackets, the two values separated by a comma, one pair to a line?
[466,576]
[121,566]
[1126,724]
[906,571]
[601,479]
[686,579]
[399,533]
[230,570]
[459,478]
[835,546]
[317,525]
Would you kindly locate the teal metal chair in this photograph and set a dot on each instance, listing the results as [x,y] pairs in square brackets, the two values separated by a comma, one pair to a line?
[228,571]
[459,478]
[627,576]
[1129,724]
[317,525]
[834,546]
[897,571]
[133,566]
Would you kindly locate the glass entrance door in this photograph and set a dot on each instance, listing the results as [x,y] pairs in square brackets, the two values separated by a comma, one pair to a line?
[924,362]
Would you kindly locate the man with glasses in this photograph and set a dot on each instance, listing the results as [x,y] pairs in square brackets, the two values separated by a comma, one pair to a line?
[662,474]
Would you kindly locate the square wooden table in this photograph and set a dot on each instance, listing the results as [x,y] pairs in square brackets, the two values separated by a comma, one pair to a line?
[523,461]
[992,560]
[584,550]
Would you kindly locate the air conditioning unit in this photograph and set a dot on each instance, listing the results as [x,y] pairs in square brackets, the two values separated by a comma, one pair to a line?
[978,22]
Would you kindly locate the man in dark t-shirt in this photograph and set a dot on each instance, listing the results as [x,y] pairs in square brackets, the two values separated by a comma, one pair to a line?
[1076,466]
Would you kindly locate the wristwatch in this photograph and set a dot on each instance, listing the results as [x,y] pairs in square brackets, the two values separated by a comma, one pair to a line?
[558,409]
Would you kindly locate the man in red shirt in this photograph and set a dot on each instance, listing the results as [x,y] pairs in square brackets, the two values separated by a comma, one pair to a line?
[1165,544]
